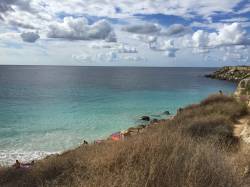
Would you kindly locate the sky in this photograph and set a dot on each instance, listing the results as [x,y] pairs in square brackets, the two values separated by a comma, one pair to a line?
[176,33]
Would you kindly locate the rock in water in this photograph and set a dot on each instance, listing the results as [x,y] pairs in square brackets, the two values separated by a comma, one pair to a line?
[166,113]
[145,118]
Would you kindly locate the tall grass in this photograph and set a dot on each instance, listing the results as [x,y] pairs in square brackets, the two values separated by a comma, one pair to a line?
[187,151]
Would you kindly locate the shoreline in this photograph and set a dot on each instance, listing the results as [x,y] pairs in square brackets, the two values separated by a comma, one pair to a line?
[124,134]
[121,135]
[158,143]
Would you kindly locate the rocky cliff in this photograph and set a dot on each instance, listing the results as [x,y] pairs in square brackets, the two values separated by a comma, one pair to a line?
[243,91]
[231,73]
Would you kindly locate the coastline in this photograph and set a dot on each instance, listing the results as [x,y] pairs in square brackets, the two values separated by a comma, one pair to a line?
[180,134]
[194,133]
[123,134]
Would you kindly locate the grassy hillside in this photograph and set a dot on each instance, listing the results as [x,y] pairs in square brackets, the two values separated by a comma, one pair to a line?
[197,148]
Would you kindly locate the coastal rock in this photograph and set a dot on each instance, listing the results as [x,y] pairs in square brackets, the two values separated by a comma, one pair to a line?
[231,73]
[243,91]
[145,118]
[167,113]
[243,88]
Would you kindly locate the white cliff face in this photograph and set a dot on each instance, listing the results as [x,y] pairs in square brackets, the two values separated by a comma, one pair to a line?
[243,91]
[243,88]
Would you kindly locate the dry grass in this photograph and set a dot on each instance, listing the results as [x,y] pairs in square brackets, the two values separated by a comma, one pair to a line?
[187,151]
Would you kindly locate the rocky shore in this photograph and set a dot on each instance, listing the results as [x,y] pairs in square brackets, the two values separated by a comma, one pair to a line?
[240,74]
[231,73]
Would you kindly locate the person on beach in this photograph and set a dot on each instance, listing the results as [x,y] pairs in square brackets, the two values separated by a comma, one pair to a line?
[19,165]
[85,142]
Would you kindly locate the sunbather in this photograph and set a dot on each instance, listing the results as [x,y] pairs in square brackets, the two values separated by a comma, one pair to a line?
[19,165]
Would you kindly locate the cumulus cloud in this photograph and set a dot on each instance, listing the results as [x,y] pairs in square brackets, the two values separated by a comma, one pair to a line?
[143,34]
[145,38]
[79,29]
[19,24]
[166,46]
[30,37]
[108,56]
[111,37]
[200,39]
[128,8]
[232,34]
[7,5]
[238,53]
[176,30]
[146,28]
[126,49]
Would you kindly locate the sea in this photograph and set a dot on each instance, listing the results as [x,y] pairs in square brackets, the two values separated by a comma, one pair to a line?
[49,109]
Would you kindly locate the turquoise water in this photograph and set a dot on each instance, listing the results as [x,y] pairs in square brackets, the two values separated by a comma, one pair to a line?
[46,110]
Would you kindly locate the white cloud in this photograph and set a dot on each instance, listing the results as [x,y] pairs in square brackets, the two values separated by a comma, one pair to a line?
[108,56]
[145,28]
[176,30]
[200,39]
[166,46]
[231,34]
[7,5]
[238,53]
[79,29]
[128,8]
[126,49]
[237,19]
[111,37]
[30,37]
[127,36]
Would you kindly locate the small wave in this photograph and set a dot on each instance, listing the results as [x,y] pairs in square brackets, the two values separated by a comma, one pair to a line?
[8,157]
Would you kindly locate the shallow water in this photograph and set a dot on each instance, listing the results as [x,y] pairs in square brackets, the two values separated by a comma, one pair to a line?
[47,109]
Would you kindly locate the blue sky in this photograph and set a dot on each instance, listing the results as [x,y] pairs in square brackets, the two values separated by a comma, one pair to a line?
[125,32]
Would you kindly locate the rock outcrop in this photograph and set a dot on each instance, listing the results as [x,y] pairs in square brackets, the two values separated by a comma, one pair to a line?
[243,88]
[243,91]
[231,73]
[145,118]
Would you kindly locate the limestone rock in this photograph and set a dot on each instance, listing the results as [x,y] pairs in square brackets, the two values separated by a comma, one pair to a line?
[242,92]
[243,88]
[231,73]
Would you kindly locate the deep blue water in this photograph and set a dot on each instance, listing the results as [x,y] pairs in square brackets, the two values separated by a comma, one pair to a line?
[47,109]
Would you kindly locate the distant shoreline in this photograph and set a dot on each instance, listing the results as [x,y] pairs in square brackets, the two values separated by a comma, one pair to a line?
[231,73]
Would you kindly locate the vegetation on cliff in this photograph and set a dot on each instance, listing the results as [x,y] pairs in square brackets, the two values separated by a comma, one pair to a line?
[231,73]
[196,148]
